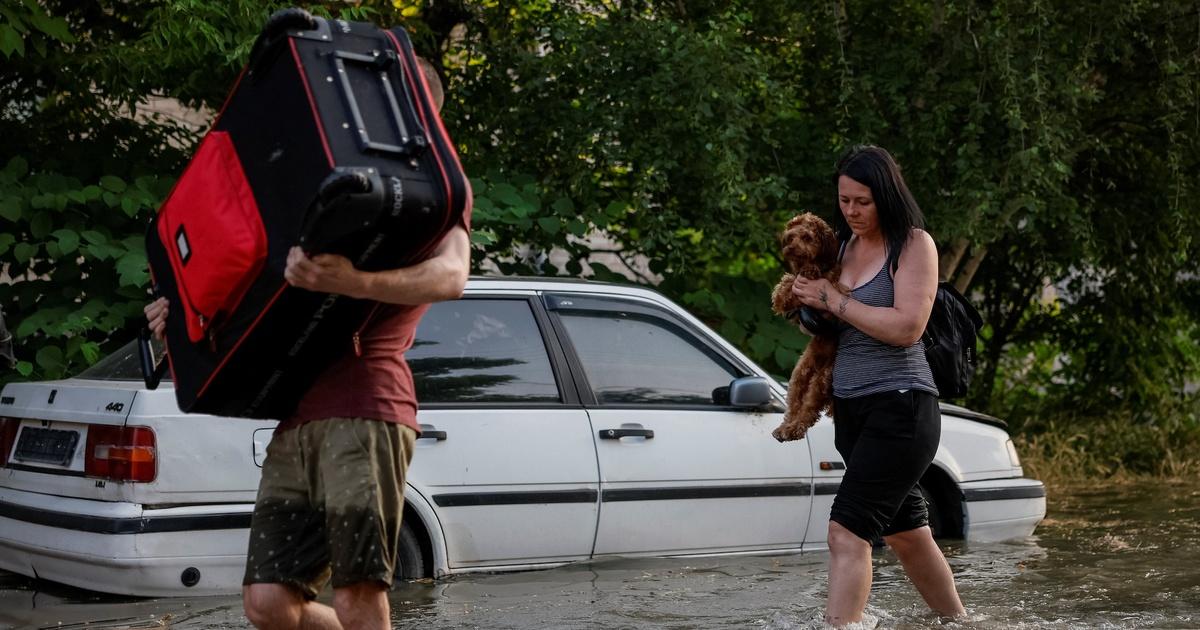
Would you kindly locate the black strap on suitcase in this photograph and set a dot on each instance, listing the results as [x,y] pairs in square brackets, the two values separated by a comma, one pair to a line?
[329,140]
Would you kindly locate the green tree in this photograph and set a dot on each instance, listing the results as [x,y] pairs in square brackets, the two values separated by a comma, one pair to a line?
[1053,147]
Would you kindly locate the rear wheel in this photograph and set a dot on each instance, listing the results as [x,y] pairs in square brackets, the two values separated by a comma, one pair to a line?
[935,513]
[410,562]
[945,504]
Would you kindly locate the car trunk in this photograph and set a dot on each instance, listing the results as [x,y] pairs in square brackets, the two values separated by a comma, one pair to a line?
[48,450]
[63,426]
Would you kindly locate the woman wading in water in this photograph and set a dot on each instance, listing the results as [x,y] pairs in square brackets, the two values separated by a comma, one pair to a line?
[887,423]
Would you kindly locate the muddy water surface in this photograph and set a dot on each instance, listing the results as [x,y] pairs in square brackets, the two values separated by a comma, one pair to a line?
[1123,556]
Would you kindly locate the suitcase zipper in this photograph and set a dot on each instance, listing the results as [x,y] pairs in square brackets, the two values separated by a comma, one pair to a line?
[356,338]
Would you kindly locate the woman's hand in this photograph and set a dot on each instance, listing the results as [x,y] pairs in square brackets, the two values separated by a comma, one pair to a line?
[819,293]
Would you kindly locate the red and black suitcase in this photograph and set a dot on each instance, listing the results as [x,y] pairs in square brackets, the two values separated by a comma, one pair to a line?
[329,140]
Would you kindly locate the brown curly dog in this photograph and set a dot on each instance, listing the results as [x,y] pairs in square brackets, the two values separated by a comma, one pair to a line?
[810,249]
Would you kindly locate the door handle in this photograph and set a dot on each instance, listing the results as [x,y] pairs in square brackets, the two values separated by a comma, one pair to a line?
[616,434]
[429,432]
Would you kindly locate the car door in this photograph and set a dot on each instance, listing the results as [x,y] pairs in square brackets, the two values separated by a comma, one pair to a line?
[506,456]
[680,472]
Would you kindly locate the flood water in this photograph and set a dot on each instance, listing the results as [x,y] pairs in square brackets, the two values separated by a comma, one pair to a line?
[1113,556]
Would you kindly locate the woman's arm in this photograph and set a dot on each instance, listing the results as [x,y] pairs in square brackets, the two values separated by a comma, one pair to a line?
[903,323]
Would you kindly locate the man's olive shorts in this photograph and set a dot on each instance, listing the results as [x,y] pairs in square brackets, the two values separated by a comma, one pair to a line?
[329,504]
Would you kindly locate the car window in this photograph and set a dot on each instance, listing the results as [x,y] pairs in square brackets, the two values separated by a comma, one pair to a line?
[635,358]
[122,365]
[481,350]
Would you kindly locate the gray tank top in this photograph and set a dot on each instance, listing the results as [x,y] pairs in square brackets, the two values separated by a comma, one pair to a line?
[865,365]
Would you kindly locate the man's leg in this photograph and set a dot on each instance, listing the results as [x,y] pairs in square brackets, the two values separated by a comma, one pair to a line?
[363,605]
[271,606]
[927,568]
[287,562]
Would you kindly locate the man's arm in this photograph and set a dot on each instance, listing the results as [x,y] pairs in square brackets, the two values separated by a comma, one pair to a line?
[440,277]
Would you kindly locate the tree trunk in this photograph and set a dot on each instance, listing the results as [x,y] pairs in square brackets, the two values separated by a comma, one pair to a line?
[963,279]
[948,261]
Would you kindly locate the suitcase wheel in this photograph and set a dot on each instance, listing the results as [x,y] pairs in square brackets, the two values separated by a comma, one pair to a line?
[338,184]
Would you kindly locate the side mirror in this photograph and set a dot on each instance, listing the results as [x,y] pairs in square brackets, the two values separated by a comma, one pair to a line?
[749,392]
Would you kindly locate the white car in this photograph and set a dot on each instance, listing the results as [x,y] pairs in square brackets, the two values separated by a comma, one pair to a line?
[562,421]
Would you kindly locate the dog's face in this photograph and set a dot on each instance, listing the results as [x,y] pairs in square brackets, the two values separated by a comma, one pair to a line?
[807,240]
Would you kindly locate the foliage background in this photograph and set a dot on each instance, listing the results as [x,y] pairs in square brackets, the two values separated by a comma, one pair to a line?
[1053,147]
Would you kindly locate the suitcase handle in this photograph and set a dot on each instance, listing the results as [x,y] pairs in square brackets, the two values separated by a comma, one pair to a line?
[152,372]
[411,143]
[274,31]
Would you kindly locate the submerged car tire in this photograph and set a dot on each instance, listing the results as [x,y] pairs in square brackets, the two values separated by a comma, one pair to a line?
[410,561]
[936,524]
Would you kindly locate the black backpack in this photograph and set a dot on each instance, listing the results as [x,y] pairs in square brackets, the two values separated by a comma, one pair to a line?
[950,341]
[949,338]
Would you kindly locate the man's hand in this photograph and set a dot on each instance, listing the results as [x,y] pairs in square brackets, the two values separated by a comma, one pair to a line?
[323,273]
[156,316]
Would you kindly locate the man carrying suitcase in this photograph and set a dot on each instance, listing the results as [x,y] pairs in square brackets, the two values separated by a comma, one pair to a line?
[331,497]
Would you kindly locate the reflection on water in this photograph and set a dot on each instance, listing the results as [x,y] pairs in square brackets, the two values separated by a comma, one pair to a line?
[1106,557]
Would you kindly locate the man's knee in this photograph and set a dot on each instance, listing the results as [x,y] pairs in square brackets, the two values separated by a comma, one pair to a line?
[841,539]
[272,605]
[363,604]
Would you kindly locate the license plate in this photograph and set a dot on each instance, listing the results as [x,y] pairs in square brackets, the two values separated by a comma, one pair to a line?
[46,446]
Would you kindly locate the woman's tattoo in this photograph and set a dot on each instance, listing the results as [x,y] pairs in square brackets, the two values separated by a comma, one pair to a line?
[825,298]
[842,305]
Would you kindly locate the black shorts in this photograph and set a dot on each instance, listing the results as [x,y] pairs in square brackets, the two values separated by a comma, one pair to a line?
[888,441]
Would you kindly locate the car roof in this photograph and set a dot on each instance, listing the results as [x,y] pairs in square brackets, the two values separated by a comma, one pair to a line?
[480,284]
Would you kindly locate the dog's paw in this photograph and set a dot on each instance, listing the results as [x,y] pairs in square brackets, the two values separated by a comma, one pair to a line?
[786,433]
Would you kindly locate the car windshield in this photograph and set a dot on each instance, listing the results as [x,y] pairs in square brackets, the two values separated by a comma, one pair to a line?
[122,365]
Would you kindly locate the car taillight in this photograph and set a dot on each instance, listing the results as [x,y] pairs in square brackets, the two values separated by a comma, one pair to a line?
[8,435]
[120,453]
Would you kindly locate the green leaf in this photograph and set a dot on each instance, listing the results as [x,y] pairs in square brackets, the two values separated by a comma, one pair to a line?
[785,356]
[113,183]
[563,205]
[6,241]
[11,41]
[761,345]
[24,368]
[507,194]
[550,225]
[52,26]
[577,227]
[10,208]
[40,226]
[91,193]
[90,351]
[24,251]
[132,269]
[68,240]
[129,205]
[50,359]
[94,237]
[615,210]
[17,167]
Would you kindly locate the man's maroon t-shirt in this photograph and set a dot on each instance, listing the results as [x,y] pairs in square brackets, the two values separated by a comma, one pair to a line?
[378,384]
[374,382]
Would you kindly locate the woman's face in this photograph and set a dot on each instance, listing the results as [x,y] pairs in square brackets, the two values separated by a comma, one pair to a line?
[858,206]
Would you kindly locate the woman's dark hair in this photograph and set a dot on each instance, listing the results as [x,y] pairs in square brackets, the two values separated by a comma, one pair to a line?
[898,212]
